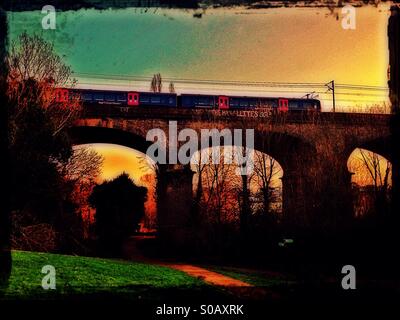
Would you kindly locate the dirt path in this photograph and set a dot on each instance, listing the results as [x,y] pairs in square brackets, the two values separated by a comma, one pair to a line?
[132,252]
[208,276]
[236,287]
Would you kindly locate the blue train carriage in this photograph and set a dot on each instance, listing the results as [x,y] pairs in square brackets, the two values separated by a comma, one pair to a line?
[236,102]
[278,104]
[151,99]
[245,102]
[130,99]
[221,102]
[197,101]
[100,96]
[304,105]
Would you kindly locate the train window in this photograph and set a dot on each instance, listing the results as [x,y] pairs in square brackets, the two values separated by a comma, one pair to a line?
[187,101]
[244,103]
[109,97]
[293,105]
[98,96]
[205,101]
[308,105]
[235,102]
[271,103]
[144,99]
[87,97]
[155,99]
[121,97]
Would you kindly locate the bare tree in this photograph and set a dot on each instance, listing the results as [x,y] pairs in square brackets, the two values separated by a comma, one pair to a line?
[156,83]
[83,169]
[266,171]
[32,60]
[242,185]
[83,166]
[373,164]
[198,167]
[33,57]
[171,87]
[373,180]
[219,197]
[151,173]
[38,141]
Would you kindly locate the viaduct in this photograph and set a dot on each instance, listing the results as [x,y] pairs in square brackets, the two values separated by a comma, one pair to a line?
[313,151]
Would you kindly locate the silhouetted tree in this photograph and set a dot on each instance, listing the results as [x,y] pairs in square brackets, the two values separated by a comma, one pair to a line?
[82,170]
[119,207]
[32,58]
[171,87]
[266,172]
[156,83]
[374,175]
[42,169]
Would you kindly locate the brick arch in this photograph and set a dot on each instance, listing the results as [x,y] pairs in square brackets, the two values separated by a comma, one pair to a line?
[290,151]
[381,146]
[92,134]
[295,156]
[286,149]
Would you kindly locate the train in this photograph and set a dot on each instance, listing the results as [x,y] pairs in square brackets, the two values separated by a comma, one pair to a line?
[187,101]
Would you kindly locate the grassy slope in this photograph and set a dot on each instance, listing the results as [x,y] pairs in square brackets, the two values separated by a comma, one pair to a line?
[83,276]
[256,278]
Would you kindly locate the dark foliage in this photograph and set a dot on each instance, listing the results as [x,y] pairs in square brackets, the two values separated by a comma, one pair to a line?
[36,184]
[5,256]
[119,207]
[394,86]
[40,150]
[39,193]
[21,5]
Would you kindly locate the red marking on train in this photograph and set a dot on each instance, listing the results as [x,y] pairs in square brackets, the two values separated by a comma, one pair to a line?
[223,102]
[283,105]
[133,99]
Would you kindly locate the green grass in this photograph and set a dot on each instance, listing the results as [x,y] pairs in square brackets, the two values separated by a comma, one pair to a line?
[256,277]
[93,277]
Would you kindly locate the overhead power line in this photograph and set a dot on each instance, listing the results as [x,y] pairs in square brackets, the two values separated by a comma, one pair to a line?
[254,90]
[331,87]
[355,92]
[362,87]
[231,82]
